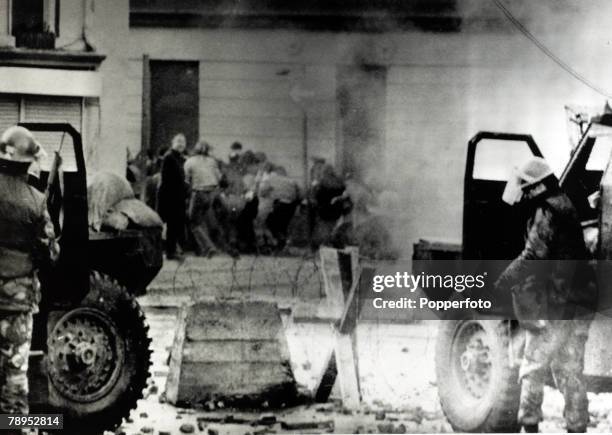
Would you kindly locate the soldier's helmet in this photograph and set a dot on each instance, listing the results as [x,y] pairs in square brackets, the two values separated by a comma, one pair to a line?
[528,181]
[19,144]
[534,171]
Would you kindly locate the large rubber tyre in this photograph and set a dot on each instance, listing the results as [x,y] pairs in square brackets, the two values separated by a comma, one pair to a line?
[124,371]
[478,387]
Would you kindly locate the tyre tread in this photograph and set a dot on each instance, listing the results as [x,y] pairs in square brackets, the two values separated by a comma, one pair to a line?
[103,287]
[502,416]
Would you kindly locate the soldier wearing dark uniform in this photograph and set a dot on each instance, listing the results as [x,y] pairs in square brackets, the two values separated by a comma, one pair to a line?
[553,295]
[26,241]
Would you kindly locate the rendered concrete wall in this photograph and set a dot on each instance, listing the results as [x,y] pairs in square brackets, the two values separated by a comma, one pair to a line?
[109,24]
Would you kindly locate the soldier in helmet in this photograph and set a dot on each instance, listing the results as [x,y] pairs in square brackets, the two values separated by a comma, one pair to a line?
[27,242]
[553,294]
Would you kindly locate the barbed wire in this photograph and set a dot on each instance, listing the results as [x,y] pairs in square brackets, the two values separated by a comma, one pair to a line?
[296,275]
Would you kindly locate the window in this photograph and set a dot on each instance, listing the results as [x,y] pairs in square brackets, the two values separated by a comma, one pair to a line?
[16,108]
[497,159]
[55,109]
[35,23]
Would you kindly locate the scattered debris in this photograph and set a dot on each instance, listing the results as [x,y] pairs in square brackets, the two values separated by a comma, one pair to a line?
[237,420]
[211,419]
[267,420]
[326,409]
[187,428]
[201,425]
[305,425]
[385,428]
[391,428]
[185,411]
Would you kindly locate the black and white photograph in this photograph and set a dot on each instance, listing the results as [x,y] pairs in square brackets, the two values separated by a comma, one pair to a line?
[305,216]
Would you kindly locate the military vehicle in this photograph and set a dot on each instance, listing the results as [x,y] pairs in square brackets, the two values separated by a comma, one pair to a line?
[90,349]
[477,358]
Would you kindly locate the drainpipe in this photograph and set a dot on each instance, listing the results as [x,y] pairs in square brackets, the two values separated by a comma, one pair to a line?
[88,18]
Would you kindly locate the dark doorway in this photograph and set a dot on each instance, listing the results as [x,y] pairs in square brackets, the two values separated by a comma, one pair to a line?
[361,95]
[174,102]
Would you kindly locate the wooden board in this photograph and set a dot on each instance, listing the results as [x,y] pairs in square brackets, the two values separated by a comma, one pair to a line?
[342,363]
[176,356]
[332,278]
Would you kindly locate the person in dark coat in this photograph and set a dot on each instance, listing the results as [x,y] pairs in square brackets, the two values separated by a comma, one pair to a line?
[329,201]
[238,202]
[172,196]
[554,295]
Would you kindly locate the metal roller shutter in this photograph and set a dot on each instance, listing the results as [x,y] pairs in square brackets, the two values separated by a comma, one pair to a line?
[9,111]
[55,109]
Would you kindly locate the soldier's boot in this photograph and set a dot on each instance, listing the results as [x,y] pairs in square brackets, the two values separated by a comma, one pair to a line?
[530,407]
[570,383]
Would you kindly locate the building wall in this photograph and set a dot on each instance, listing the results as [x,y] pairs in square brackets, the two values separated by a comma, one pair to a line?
[109,30]
[104,125]
[441,89]
[106,26]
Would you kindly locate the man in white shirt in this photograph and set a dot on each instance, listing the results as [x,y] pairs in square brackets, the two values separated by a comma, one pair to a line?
[202,174]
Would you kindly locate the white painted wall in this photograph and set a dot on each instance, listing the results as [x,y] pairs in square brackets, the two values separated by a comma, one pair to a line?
[109,30]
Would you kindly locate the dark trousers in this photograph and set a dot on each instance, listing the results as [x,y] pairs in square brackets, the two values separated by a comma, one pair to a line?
[246,232]
[278,221]
[239,227]
[201,220]
[175,231]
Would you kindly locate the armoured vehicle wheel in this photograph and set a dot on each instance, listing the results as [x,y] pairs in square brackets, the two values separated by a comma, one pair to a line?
[478,387]
[99,358]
